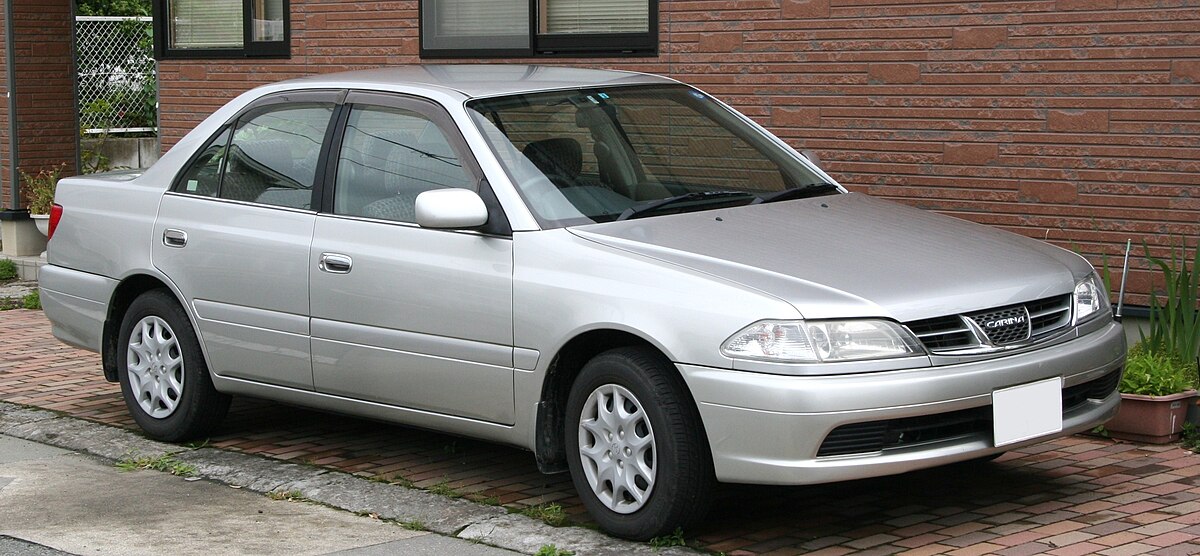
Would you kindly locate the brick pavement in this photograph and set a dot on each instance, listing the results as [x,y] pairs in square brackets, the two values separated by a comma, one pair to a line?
[1075,495]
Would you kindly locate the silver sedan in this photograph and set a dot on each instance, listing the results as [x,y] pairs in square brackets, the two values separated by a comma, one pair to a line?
[613,270]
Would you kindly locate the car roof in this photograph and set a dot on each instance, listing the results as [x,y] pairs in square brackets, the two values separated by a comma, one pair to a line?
[474,80]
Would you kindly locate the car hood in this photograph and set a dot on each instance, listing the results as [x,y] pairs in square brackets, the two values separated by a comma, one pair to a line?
[852,255]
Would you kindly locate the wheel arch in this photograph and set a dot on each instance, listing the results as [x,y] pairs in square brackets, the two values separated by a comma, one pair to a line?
[123,295]
[564,367]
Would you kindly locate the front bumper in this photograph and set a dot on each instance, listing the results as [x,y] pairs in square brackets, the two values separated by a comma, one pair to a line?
[768,429]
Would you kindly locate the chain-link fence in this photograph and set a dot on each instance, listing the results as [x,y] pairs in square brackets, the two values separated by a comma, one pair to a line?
[118,81]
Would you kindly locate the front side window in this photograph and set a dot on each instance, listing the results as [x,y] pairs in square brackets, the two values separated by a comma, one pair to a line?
[597,155]
[538,27]
[221,28]
[268,157]
[390,155]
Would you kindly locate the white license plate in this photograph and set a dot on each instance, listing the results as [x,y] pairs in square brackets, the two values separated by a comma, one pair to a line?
[1027,411]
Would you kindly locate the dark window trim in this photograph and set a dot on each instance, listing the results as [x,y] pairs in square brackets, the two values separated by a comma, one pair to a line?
[594,45]
[335,96]
[497,224]
[249,48]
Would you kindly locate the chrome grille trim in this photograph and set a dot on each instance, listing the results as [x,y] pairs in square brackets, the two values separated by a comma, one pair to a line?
[969,332]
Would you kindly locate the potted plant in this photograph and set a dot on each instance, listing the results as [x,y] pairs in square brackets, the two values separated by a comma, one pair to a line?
[39,193]
[1163,370]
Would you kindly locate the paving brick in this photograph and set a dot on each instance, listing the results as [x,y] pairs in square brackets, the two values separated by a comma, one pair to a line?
[1170,539]
[1077,549]
[1133,549]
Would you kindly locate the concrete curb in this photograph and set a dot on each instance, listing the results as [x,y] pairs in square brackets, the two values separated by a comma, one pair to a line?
[452,517]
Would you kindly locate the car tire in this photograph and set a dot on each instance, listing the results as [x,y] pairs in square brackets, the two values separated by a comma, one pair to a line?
[644,471]
[164,378]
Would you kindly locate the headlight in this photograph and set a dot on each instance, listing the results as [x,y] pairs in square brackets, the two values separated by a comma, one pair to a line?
[821,341]
[1090,299]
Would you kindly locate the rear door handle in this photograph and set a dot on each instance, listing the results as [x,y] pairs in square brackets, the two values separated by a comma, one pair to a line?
[335,263]
[174,238]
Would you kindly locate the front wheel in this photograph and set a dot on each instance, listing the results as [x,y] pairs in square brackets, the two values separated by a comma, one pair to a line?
[639,458]
[164,379]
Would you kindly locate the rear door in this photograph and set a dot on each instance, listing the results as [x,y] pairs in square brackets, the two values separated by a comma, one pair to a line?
[404,315]
[233,234]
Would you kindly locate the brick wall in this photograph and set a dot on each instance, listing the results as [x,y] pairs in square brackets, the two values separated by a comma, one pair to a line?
[45,85]
[5,190]
[1076,121]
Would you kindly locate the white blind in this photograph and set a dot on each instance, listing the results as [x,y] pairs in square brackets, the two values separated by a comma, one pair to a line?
[476,24]
[595,16]
[205,23]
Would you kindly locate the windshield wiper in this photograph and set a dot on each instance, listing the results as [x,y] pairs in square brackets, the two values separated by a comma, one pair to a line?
[802,192]
[652,206]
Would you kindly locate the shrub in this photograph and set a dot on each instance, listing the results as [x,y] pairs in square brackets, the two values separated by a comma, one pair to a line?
[39,188]
[1155,374]
[1175,317]
[8,269]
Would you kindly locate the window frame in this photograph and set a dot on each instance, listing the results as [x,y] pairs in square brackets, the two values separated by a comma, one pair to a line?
[333,96]
[590,45]
[497,224]
[249,49]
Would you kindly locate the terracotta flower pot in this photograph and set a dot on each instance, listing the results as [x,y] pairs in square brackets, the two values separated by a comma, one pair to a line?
[1150,419]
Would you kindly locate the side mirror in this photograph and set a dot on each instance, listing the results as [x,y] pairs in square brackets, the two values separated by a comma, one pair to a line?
[812,157]
[453,209]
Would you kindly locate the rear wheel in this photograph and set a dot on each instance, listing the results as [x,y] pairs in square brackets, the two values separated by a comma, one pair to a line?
[164,379]
[638,457]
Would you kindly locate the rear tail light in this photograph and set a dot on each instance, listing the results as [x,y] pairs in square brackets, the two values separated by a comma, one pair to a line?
[55,216]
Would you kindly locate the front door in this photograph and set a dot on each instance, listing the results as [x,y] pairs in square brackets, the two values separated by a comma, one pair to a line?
[404,315]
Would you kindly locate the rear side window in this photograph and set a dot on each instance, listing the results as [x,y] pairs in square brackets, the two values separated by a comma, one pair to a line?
[389,155]
[272,158]
[268,157]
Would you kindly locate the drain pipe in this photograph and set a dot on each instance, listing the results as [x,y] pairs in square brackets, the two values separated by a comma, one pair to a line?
[10,58]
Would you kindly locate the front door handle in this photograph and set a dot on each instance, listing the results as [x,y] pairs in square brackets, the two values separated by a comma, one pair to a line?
[335,263]
[174,238]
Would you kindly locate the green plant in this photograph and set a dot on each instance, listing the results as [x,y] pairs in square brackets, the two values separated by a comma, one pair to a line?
[197,444]
[289,495]
[444,489]
[413,525]
[1175,318]
[32,300]
[486,500]
[8,269]
[1191,437]
[674,539]
[39,188]
[551,550]
[1155,374]
[166,463]
[551,514]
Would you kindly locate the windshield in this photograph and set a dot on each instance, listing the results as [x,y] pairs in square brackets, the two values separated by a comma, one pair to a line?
[601,154]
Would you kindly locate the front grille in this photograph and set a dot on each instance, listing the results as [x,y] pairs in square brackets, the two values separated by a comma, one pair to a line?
[942,332]
[876,436]
[1011,325]
[1095,389]
[1005,326]
[1048,315]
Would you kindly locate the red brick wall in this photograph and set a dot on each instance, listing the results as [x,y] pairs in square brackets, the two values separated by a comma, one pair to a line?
[5,190]
[45,85]
[1076,121]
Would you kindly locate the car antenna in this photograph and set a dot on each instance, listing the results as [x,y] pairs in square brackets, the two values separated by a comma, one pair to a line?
[1124,273]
